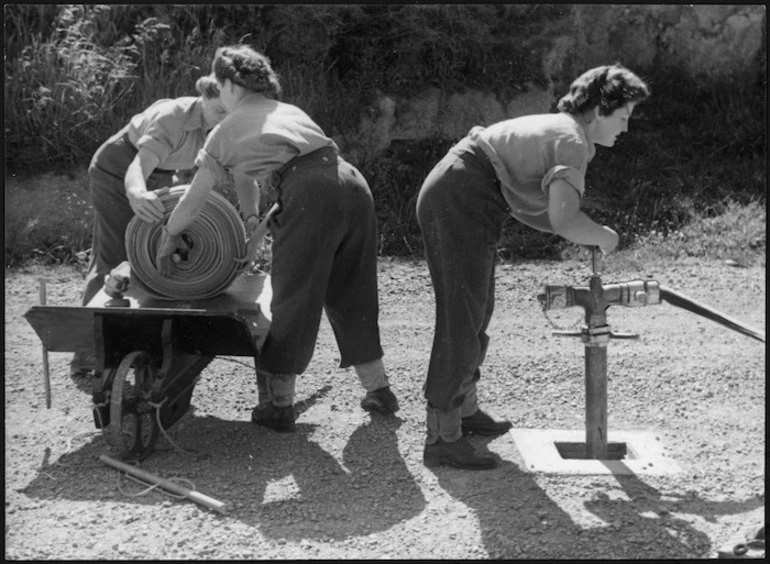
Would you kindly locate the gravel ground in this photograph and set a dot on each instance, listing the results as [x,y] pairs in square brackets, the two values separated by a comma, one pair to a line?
[347,485]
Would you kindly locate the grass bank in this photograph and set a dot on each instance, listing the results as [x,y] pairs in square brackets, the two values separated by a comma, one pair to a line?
[48,220]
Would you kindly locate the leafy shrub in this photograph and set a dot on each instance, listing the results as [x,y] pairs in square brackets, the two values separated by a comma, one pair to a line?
[75,74]
[395,179]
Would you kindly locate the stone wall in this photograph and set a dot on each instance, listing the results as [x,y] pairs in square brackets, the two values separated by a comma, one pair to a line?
[710,41]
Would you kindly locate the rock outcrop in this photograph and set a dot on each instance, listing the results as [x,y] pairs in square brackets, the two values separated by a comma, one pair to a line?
[709,41]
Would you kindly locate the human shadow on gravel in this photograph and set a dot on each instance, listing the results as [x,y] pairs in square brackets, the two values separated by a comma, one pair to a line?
[518,519]
[371,490]
[285,484]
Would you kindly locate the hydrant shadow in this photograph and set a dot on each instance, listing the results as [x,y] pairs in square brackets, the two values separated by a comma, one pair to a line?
[646,509]
[519,519]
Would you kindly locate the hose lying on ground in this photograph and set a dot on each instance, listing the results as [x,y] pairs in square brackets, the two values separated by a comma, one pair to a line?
[217,240]
[680,300]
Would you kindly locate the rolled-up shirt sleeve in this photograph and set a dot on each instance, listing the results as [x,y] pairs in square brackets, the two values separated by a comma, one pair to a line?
[207,161]
[570,174]
[570,159]
[162,134]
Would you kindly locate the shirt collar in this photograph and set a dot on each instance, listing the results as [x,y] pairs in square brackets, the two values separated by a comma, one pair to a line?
[582,122]
[195,116]
[251,97]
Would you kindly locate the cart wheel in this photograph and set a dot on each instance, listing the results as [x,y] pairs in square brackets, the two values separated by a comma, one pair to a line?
[133,427]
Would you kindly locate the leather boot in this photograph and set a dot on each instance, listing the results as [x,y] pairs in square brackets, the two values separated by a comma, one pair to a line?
[279,419]
[459,454]
[379,398]
[278,412]
[481,423]
[381,401]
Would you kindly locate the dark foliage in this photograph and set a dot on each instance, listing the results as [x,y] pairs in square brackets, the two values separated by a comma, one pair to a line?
[74,74]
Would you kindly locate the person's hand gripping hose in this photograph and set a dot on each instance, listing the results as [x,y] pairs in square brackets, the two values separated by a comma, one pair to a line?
[170,250]
[145,204]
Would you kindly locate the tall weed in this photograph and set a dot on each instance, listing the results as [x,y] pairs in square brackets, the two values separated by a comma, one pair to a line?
[59,90]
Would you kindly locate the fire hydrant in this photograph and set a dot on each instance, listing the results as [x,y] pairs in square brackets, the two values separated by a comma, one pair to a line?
[596,334]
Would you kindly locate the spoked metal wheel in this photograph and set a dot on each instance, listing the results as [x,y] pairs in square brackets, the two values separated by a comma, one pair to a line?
[133,426]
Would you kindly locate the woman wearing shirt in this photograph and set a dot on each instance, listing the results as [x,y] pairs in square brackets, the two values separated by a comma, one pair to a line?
[324,248]
[532,168]
[127,169]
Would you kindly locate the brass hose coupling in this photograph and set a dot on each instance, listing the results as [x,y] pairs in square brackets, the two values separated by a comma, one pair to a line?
[636,293]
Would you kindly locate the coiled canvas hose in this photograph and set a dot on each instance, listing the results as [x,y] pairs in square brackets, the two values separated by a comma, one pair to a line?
[217,240]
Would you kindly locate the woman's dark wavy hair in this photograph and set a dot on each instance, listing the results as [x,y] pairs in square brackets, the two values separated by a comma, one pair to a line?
[609,87]
[248,68]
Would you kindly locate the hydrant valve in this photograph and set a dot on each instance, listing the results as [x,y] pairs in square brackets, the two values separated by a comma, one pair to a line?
[557,297]
[639,293]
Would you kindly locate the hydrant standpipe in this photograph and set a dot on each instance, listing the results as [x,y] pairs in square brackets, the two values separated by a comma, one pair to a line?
[596,334]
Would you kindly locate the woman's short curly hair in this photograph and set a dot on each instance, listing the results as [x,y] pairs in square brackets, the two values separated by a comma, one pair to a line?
[248,68]
[207,87]
[609,87]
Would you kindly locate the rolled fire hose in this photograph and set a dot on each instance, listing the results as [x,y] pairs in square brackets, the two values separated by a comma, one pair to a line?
[217,242]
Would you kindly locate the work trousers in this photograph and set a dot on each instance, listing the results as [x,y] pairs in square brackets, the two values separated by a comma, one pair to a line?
[112,211]
[461,211]
[324,258]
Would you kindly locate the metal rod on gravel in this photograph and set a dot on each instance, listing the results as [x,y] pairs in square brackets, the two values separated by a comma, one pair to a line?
[192,495]
[46,372]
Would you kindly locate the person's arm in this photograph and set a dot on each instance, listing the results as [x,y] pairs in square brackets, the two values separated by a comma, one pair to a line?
[247,190]
[248,198]
[569,222]
[186,211]
[192,202]
[146,205]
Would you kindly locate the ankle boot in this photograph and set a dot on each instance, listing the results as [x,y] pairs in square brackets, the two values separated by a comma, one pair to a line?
[459,454]
[379,397]
[279,419]
[446,445]
[278,413]
[380,401]
[480,423]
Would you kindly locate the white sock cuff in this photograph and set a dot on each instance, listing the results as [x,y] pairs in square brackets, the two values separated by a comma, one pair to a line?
[281,388]
[372,375]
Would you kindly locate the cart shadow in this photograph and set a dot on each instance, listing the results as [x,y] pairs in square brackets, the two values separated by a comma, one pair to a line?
[285,484]
[518,519]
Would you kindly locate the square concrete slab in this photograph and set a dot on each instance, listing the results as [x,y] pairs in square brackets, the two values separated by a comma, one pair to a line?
[639,452]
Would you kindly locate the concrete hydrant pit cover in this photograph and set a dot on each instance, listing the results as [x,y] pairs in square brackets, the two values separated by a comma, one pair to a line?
[642,453]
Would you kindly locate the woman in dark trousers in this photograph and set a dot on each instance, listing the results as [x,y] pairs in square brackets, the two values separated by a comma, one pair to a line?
[130,166]
[532,168]
[324,250]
